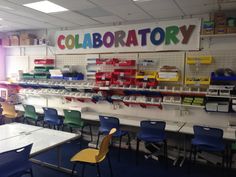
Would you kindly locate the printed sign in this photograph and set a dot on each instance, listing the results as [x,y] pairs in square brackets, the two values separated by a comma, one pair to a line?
[161,36]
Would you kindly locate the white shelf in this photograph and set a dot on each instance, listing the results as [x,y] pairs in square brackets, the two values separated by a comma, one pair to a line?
[219,96]
[27,46]
[183,105]
[218,35]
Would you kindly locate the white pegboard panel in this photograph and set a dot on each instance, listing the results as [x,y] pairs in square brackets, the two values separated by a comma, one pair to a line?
[78,60]
[16,63]
[221,59]
[166,58]
[120,56]
[131,56]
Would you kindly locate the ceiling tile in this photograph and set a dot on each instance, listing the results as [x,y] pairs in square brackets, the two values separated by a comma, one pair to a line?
[75,4]
[103,3]
[95,12]
[75,18]
[165,14]
[128,12]
[157,5]
[108,19]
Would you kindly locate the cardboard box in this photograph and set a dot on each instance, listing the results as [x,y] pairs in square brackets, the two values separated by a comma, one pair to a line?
[14,40]
[25,35]
[219,15]
[220,19]
[6,41]
[231,29]
[27,41]
[220,30]
[207,31]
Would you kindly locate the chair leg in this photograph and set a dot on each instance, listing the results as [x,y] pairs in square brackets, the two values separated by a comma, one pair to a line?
[109,163]
[71,130]
[31,172]
[73,170]
[129,141]
[223,160]
[194,155]
[43,124]
[230,159]
[90,129]
[82,132]
[120,140]
[190,158]
[165,153]
[137,152]
[35,123]
[83,169]
[98,139]
[98,170]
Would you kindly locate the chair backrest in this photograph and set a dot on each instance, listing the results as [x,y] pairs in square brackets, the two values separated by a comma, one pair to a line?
[8,109]
[208,134]
[14,161]
[152,128]
[50,114]
[72,117]
[104,146]
[107,123]
[30,112]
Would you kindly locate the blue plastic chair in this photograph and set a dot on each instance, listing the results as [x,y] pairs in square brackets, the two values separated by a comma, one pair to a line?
[106,124]
[152,132]
[16,162]
[51,118]
[207,139]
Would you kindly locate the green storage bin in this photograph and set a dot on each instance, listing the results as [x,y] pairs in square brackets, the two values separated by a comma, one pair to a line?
[27,76]
[43,68]
[41,76]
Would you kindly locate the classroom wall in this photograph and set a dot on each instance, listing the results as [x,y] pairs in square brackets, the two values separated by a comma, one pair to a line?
[173,113]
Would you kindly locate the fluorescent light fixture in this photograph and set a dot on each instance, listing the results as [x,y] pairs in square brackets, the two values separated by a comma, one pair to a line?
[1,19]
[46,7]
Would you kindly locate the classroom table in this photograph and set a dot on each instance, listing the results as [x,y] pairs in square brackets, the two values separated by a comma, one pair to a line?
[43,139]
[171,126]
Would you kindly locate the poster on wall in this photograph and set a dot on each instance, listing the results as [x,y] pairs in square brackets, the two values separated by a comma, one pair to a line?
[161,36]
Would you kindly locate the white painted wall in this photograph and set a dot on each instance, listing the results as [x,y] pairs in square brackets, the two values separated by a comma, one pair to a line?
[173,113]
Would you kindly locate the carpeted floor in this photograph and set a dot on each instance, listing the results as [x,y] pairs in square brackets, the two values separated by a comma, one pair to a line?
[126,167]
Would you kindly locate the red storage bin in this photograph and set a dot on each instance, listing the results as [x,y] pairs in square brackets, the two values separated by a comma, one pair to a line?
[146,84]
[111,61]
[103,75]
[125,81]
[124,72]
[127,63]
[44,61]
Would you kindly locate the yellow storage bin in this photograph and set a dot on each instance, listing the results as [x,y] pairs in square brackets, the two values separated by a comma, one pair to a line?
[146,75]
[200,59]
[172,79]
[197,81]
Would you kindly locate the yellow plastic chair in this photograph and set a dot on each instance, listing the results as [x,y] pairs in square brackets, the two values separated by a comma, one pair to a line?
[9,111]
[94,156]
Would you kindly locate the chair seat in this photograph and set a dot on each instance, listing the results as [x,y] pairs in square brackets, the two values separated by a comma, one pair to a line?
[73,125]
[149,138]
[10,116]
[208,146]
[15,170]
[87,155]
[53,123]
[118,133]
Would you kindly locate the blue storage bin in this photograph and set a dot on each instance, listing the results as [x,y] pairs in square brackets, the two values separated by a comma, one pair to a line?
[222,78]
[79,76]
